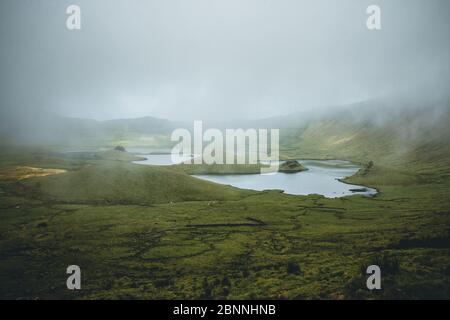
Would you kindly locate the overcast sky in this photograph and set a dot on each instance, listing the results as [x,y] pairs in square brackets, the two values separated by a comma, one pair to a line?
[215,59]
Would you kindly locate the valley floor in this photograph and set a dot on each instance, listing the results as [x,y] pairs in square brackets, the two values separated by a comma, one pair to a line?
[210,241]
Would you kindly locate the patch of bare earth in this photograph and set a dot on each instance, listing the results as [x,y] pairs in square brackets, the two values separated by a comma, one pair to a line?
[25,172]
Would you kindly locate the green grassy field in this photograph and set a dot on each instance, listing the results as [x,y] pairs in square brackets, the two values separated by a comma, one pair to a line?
[143,232]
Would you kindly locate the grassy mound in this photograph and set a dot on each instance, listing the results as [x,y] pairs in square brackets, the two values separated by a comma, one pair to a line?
[124,183]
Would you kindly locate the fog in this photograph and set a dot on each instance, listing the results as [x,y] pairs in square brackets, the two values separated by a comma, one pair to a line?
[217,59]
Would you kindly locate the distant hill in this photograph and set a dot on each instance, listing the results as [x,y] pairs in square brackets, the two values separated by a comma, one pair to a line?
[51,129]
[388,128]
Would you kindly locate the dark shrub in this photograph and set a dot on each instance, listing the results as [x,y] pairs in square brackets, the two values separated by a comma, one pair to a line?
[226,281]
[388,264]
[207,292]
[293,268]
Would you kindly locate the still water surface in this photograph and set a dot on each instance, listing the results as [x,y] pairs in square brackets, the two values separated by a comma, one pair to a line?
[322,177]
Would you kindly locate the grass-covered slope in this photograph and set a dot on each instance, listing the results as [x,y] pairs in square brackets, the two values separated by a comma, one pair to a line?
[115,182]
[267,245]
[414,137]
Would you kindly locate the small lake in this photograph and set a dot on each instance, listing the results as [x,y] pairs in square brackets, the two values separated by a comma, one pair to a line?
[156,159]
[322,177]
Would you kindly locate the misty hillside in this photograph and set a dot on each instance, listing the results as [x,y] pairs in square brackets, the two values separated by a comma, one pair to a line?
[390,129]
[49,129]
[373,130]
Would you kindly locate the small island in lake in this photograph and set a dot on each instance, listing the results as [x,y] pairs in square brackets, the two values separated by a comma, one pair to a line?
[120,148]
[291,166]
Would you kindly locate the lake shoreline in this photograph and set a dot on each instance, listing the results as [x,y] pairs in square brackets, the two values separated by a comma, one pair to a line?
[328,177]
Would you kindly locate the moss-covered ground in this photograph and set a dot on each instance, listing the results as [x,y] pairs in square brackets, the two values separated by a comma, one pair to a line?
[143,232]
